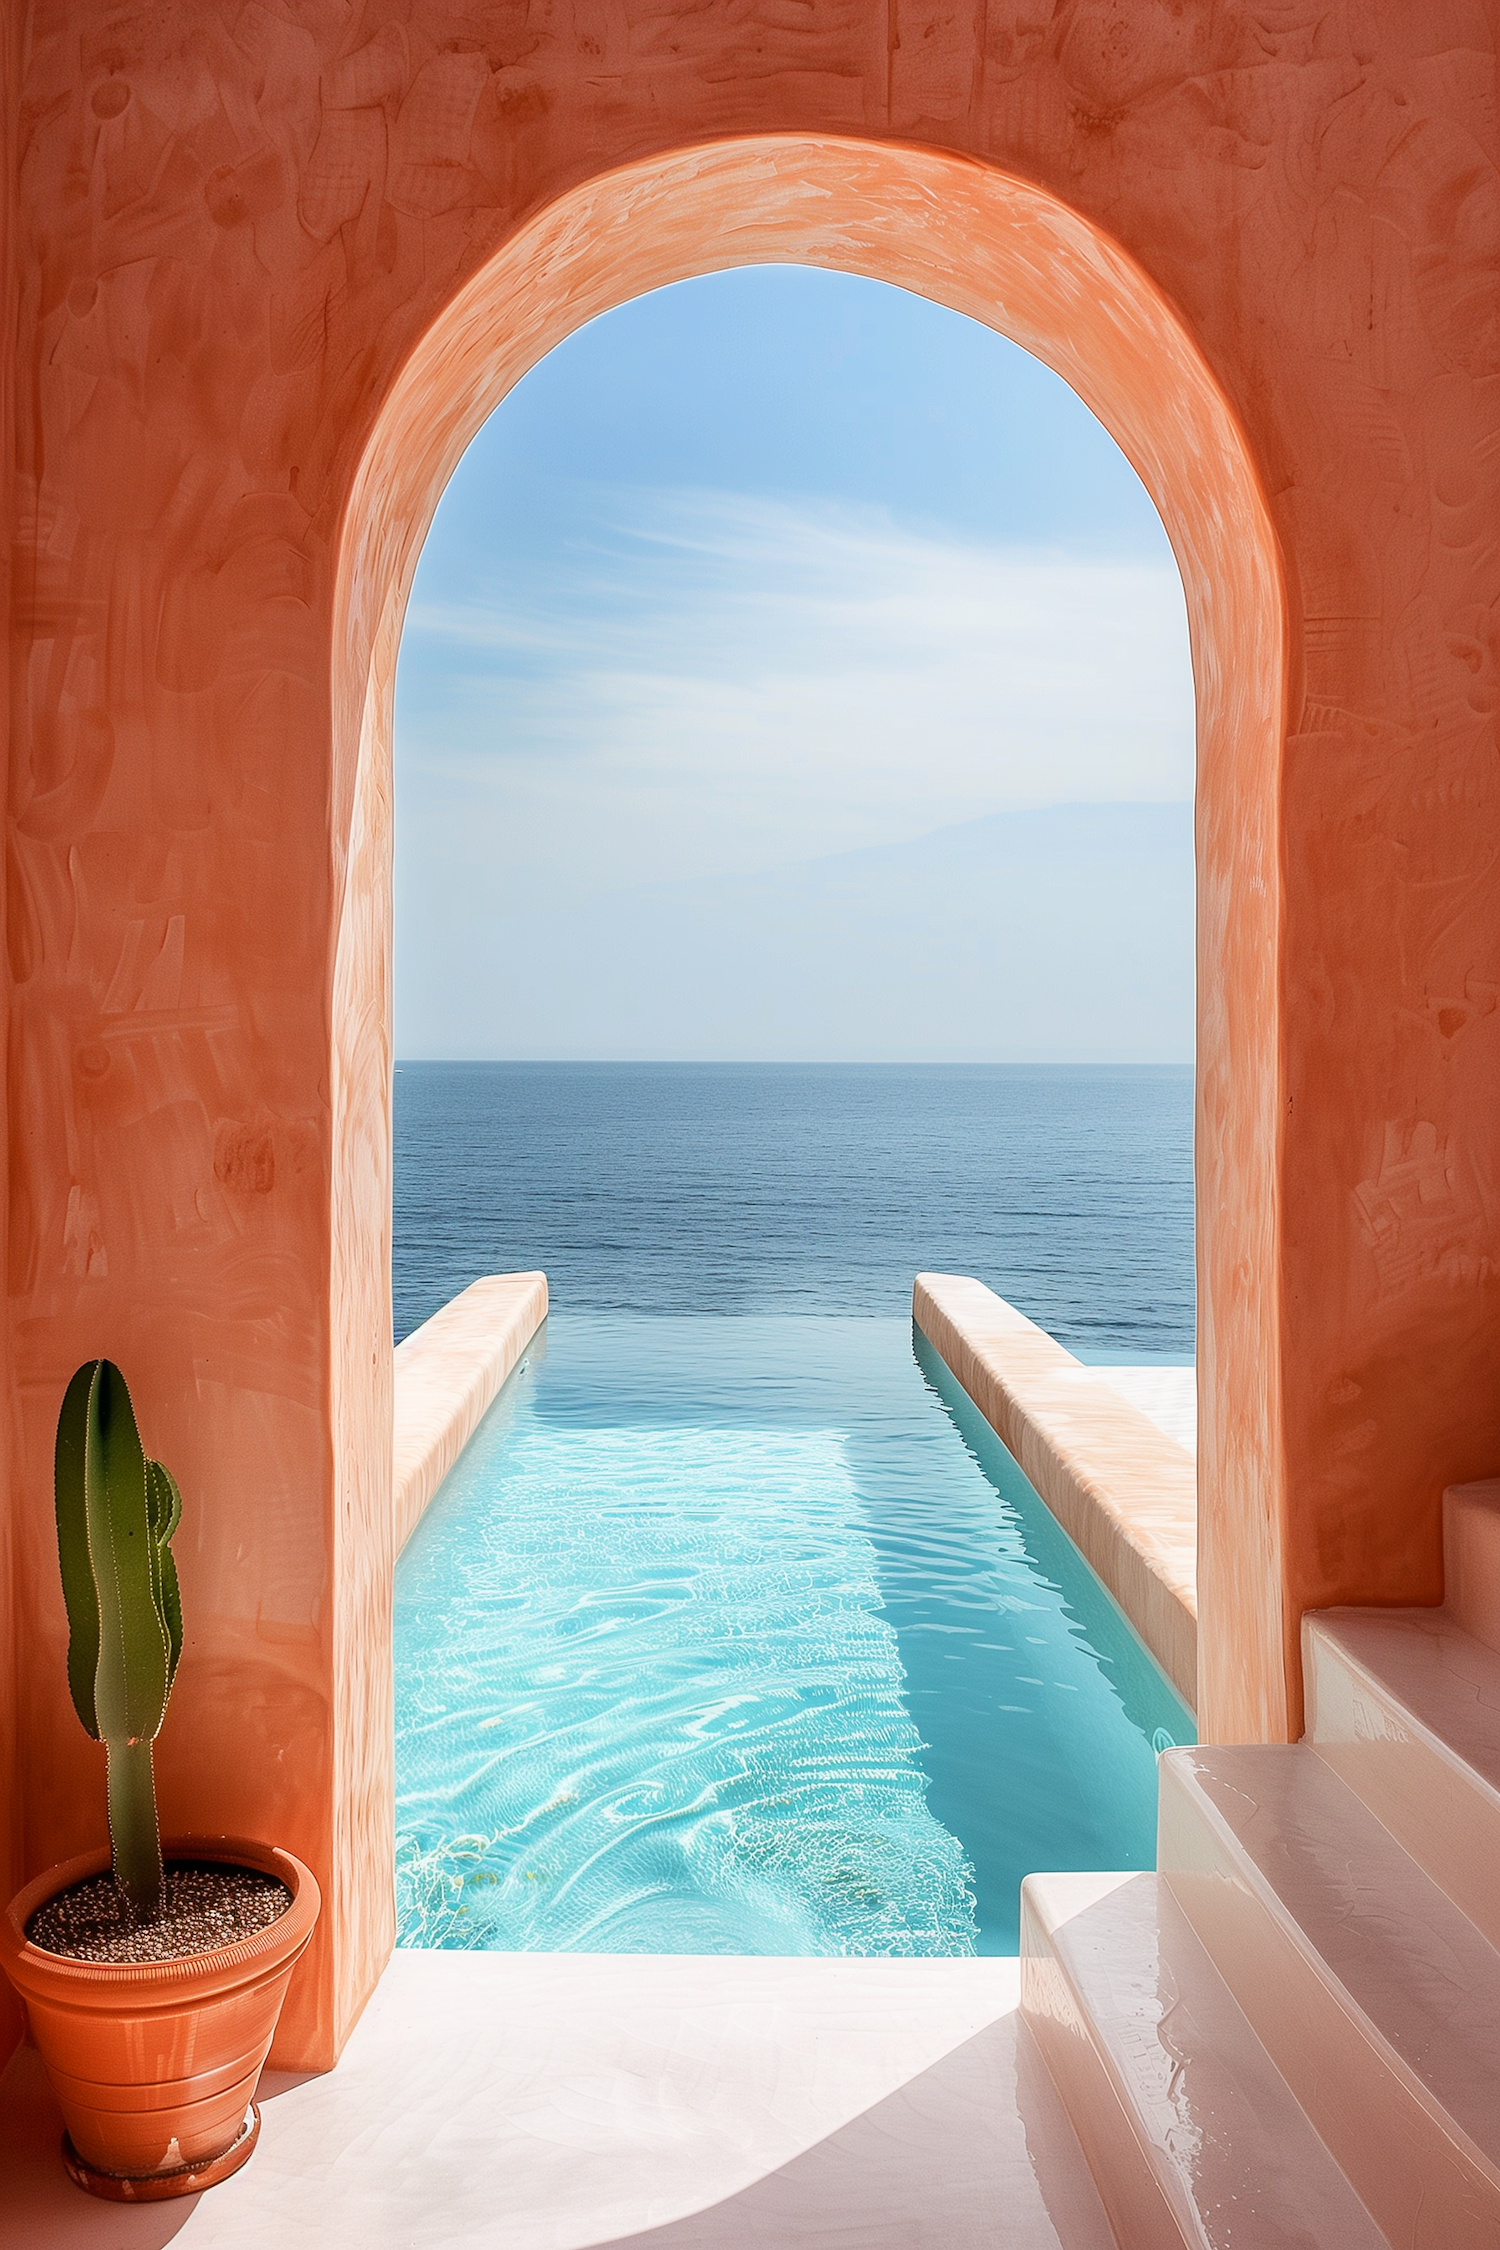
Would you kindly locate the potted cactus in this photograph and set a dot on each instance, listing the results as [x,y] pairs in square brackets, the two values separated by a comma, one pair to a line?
[152,1978]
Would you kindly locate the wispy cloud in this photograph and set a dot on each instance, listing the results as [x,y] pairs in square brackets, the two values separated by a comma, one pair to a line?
[720,683]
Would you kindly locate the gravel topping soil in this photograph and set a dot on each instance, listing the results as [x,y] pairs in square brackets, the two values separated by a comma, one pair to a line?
[205,1904]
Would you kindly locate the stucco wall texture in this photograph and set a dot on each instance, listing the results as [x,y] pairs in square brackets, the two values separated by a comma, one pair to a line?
[272,261]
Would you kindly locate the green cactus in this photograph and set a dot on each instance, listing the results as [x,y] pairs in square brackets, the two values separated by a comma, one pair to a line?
[116,1513]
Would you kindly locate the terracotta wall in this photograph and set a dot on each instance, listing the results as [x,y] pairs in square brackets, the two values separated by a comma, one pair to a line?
[240,227]
[10,1807]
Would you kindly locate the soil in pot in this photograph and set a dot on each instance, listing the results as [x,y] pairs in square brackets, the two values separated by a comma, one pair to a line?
[206,1904]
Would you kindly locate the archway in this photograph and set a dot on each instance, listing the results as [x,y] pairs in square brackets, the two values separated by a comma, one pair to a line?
[752,573]
[1022,262]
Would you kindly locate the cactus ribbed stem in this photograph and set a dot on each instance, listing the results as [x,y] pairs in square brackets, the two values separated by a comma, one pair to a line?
[116,1513]
[133,1836]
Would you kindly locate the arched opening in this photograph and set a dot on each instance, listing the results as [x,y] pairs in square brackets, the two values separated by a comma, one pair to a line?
[795,672]
[793,778]
[1020,262]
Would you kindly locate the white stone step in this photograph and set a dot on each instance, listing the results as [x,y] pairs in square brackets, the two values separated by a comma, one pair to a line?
[1378,1999]
[1192,2134]
[1405,1706]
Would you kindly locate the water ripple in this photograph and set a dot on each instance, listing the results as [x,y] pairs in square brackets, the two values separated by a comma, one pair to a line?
[648,1700]
[722,1637]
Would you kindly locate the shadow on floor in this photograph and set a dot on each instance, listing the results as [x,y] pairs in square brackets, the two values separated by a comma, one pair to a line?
[40,2208]
[974,2153]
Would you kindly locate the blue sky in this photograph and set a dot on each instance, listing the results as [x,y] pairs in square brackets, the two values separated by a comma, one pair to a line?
[752,635]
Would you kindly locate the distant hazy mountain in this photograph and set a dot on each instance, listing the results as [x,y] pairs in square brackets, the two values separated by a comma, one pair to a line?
[1064,935]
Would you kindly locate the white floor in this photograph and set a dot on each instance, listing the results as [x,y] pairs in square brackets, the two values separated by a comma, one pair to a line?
[548,2102]
[1168,1395]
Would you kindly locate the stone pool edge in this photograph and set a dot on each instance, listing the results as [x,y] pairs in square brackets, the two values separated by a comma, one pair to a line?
[447,1373]
[1124,1492]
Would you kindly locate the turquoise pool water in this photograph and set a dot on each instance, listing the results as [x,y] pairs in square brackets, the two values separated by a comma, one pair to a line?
[745,1635]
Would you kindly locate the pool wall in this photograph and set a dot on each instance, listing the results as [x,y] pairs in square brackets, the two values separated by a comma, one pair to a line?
[1125,1493]
[447,1373]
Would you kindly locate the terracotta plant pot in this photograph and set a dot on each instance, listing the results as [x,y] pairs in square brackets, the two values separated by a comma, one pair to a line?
[155,2063]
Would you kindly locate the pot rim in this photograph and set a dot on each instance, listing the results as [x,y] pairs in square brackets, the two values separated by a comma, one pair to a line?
[32,1968]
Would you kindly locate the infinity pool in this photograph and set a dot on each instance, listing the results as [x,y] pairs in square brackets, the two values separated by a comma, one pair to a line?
[745,1635]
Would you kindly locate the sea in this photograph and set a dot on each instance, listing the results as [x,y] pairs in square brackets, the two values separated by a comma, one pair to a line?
[754,1188]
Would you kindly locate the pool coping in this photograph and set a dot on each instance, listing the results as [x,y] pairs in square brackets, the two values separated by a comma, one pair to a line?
[1124,1492]
[447,1373]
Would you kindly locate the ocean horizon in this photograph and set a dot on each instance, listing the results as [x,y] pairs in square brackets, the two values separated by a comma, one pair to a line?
[753,1188]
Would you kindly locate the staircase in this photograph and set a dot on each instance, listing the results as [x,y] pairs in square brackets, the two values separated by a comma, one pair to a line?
[1289,2035]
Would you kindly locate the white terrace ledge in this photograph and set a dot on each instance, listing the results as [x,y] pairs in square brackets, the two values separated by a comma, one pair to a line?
[447,1374]
[1123,1490]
